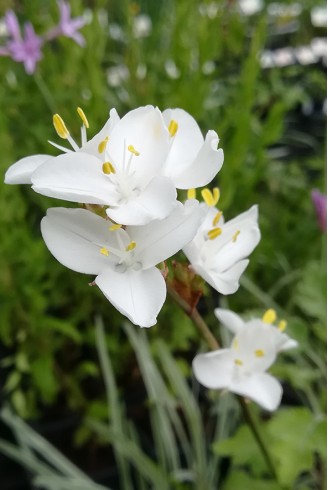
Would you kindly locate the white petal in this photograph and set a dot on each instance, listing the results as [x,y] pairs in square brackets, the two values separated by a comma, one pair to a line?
[139,295]
[230,320]
[263,388]
[224,282]
[75,238]
[206,164]
[159,240]
[21,171]
[287,344]
[185,144]
[233,251]
[91,146]
[144,129]
[214,369]
[156,201]
[76,177]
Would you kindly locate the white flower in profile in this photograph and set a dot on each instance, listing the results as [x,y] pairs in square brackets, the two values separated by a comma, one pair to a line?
[123,259]
[236,324]
[219,250]
[242,368]
[133,166]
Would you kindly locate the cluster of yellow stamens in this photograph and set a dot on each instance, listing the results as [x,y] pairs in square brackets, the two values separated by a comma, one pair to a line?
[211,197]
[270,316]
[173,127]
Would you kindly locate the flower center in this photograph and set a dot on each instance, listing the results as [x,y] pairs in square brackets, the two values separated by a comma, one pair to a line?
[124,256]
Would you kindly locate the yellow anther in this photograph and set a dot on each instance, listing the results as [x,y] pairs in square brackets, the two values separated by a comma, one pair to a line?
[173,127]
[282,325]
[269,316]
[115,227]
[131,246]
[102,145]
[217,218]
[132,149]
[207,196]
[239,362]
[104,251]
[83,117]
[216,195]
[235,344]
[235,236]
[60,126]
[214,233]
[108,168]
[191,194]
[259,353]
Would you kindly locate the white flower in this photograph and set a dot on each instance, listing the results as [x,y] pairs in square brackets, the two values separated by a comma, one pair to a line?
[21,171]
[133,165]
[219,250]
[241,368]
[124,260]
[236,324]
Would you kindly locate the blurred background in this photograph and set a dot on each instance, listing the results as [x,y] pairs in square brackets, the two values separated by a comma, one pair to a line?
[255,72]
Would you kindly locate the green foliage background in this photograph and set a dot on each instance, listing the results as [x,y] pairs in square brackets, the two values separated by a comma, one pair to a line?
[47,312]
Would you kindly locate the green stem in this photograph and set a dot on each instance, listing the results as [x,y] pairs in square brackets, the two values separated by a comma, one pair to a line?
[214,345]
[45,92]
[195,317]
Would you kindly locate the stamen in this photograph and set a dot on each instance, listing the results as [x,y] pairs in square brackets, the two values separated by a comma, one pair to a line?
[83,117]
[104,251]
[259,353]
[235,236]
[282,325]
[60,127]
[173,127]
[102,145]
[108,168]
[235,344]
[191,194]
[217,218]
[216,195]
[115,227]
[131,246]
[214,233]
[207,196]
[132,149]
[238,362]
[269,316]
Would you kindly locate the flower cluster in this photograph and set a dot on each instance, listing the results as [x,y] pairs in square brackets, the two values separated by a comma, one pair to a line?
[26,47]
[127,177]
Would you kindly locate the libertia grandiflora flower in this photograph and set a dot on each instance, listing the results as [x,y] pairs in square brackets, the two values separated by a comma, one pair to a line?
[219,250]
[122,258]
[133,166]
[242,368]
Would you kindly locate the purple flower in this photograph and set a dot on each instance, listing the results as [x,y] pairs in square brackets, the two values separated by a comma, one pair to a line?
[67,26]
[320,204]
[24,49]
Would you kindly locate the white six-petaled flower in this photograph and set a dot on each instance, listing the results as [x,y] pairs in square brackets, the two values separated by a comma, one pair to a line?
[123,259]
[133,166]
[219,250]
[242,368]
